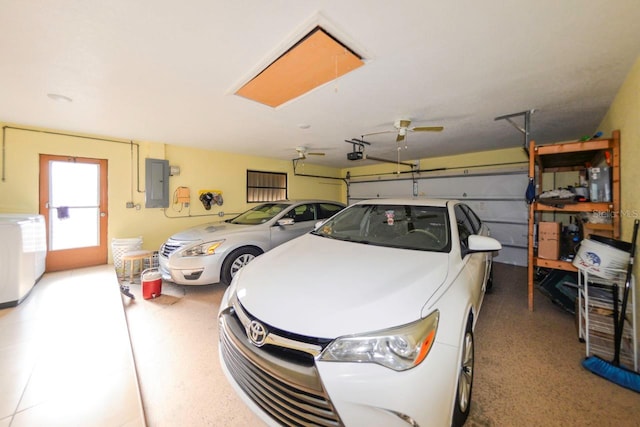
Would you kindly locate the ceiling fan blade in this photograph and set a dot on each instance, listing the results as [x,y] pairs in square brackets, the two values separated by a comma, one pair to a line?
[378,133]
[427,129]
[315,154]
[399,138]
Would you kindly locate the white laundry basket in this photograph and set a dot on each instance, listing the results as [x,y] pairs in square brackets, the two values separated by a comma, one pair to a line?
[119,247]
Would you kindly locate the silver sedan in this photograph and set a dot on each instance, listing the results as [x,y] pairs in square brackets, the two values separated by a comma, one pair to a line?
[214,252]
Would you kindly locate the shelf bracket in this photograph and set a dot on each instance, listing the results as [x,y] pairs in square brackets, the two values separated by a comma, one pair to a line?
[526,130]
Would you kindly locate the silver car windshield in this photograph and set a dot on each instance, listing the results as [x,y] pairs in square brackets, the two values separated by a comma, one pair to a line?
[400,226]
[260,214]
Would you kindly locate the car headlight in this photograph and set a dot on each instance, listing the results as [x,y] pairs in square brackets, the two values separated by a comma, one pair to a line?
[399,348]
[204,249]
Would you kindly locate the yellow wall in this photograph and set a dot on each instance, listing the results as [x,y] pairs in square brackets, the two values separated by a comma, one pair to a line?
[200,169]
[624,114]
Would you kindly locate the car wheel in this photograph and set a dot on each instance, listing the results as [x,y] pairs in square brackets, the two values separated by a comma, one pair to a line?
[235,261]
[465,380]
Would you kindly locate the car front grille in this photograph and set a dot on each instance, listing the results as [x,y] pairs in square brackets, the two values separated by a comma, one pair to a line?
[169,247]
[287,388]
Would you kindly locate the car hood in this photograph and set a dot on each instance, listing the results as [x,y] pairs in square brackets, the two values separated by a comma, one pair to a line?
[326,288]
[207,232]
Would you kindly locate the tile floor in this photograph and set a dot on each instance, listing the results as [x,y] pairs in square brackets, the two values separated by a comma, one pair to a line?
[66,356]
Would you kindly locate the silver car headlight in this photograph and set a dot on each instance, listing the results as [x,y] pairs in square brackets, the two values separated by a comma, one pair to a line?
[399,348]
[203,249]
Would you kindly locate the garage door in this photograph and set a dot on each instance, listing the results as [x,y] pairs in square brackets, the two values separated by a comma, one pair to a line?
[496,195]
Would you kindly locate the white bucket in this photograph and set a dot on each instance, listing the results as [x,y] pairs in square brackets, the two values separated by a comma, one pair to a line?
[601,260]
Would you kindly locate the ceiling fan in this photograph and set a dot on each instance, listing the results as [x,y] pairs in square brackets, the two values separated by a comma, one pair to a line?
[303,152]
[402,127]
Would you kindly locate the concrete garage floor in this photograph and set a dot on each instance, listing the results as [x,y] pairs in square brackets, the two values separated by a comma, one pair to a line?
[175,344]
[528,370]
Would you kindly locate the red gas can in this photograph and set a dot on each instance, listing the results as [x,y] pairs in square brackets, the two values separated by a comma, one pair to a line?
[151,283]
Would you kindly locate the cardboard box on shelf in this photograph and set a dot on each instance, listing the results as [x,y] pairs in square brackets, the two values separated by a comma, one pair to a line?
[549,240]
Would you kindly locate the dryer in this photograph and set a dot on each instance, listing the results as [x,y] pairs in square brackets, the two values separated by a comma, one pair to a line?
[23,251]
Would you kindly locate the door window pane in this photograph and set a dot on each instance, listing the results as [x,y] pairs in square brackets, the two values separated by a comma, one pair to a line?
[74,204]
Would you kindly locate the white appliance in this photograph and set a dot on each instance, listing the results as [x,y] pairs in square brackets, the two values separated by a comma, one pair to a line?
[23,251]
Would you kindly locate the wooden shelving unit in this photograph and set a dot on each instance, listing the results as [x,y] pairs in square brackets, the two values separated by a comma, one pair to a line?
[566,157]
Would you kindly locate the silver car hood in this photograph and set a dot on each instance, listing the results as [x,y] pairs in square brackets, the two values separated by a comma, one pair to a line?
[206,232]
[325,288]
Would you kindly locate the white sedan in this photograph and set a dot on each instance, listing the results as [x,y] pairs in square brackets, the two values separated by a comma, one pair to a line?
[367,320]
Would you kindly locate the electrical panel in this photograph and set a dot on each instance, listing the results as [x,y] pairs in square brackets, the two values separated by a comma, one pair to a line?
[156,183]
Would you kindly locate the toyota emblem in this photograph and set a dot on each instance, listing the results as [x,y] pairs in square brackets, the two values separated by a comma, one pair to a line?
[257,333]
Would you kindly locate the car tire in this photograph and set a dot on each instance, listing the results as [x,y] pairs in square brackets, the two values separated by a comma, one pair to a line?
[465,379]
[235,261]
[490,279]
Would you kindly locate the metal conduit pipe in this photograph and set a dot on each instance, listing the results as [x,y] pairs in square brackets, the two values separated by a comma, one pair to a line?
[92,138]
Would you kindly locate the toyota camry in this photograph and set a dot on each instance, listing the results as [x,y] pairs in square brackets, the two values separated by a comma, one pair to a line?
[366,320]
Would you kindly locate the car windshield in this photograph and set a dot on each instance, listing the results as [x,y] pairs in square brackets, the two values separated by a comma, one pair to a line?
[400,226]
[260,214]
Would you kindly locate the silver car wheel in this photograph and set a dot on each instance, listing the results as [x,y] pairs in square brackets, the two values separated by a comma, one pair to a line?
[236,260]
[240,262]
[465,379]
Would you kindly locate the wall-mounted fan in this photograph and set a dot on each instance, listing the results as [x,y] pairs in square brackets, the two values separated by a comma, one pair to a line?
[402,127]
[303,152]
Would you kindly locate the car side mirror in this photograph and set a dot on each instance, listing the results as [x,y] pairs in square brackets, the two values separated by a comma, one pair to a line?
[285,221]
[477,243]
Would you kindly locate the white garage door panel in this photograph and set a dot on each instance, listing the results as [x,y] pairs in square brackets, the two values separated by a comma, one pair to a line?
[496,196]
[500,210]
[512,256]
[487,186]
[380,189]
[509,234]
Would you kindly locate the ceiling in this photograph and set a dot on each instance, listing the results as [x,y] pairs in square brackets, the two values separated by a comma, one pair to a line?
[166,71]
